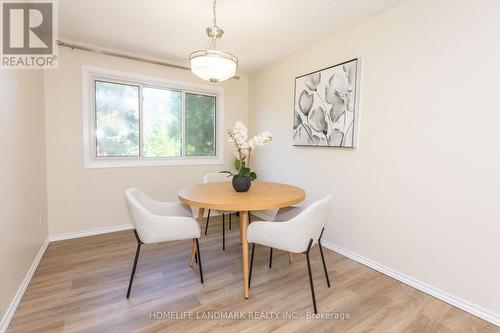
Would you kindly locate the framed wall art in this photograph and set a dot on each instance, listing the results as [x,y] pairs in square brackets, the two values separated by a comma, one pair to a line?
[326,106]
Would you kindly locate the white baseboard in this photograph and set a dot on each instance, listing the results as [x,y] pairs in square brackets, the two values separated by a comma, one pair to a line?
[105,230]
[91,232]
[473,309]
[9,313]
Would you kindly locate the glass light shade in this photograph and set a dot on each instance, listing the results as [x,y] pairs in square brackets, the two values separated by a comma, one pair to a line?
[212,65]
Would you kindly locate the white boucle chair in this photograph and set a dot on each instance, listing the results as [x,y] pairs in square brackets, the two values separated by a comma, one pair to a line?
[158,222]
[213,178]
[297,235]
[278,215]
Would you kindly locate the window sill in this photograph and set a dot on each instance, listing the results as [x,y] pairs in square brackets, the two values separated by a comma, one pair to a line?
[132,163]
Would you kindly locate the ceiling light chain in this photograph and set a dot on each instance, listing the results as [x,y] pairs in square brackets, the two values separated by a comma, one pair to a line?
[215,27]
[215,14]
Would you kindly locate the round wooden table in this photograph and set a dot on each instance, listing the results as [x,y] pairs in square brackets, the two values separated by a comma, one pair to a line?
[222,196]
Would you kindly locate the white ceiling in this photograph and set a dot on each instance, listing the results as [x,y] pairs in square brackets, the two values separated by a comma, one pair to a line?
[258,32]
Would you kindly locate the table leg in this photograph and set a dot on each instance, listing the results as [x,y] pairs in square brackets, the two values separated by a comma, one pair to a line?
[241,234]
[244,247]
[290,257]
[201,211]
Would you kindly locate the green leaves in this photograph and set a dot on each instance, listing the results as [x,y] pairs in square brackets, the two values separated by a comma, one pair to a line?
[238,164]
[241,170]
[199,125]
[244,172]
[229,173]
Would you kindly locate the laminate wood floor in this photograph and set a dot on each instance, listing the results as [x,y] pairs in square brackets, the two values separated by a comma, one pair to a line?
[80,286]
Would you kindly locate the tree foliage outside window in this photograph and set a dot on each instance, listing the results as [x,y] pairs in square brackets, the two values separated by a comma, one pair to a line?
[123,123]
[200,125]
[162,113]
[117,119]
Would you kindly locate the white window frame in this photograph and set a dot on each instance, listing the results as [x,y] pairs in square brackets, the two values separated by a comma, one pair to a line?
[91,160]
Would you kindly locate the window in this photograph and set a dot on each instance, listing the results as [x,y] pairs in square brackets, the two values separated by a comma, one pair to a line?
[137,121]
[117,119]
[200,125]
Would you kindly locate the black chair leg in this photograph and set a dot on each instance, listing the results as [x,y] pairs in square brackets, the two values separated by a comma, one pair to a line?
[223,233]
[206,224]
[323,258]
[310,276]
[251,266]
[230,220]
[199,259]
[139,243]
[271,258]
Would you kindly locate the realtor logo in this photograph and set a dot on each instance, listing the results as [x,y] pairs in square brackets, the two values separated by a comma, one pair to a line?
[29,34]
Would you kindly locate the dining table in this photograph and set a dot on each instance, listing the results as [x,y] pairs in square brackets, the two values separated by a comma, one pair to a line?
[262,195]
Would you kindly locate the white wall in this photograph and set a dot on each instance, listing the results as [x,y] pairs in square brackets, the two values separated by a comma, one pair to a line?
[81,199]
[23,222]
[421,193]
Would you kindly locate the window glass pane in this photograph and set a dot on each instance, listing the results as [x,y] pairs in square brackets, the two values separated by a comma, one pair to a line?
[200,125]
[162,113]
[117,119]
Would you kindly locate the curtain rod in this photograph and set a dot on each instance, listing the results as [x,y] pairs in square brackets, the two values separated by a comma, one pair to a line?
[125,56]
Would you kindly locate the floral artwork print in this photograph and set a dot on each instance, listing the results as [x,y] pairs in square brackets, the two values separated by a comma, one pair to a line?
[326,107]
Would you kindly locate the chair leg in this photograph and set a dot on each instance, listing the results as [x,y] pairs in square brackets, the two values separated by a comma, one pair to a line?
[310,276]
[199,259]
[249,218]
[251,266]
[323,258]
[230,220]
[223,233]
[271,258]
[206,224]
[139,243]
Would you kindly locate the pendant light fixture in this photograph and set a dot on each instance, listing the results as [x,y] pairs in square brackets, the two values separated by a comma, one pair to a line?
[211,64]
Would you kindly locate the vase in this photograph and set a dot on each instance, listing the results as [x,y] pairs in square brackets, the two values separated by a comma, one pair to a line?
[241,184]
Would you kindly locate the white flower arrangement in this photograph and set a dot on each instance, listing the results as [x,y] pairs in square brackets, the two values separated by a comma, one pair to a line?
[238,135]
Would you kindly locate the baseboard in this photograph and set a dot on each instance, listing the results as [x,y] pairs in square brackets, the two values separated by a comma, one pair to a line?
[9,313]
[473,309]
[104,230]
[90,232]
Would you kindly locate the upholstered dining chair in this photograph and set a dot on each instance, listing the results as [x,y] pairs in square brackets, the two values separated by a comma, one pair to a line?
[278,215]
[158,222]
[212,178]
[297,235]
